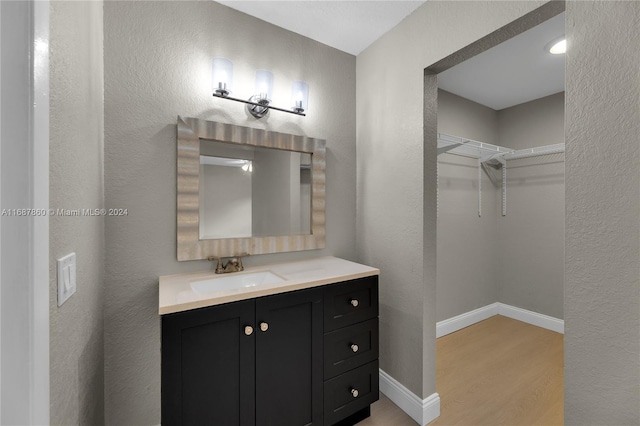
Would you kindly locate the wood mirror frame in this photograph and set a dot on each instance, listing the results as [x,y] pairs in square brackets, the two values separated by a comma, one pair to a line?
[190,247]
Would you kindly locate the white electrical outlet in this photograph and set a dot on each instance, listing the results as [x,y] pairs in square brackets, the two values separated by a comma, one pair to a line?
[66,277]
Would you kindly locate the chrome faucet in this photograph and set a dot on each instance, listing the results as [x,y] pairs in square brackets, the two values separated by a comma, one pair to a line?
[234,264]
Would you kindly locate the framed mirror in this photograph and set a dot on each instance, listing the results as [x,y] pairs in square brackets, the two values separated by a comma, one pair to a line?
[244,190]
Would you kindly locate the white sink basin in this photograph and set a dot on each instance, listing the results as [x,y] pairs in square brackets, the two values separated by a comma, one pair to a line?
[235,282]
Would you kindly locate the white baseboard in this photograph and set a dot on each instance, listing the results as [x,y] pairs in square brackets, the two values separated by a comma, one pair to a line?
[469,318]
[530,317]
[422,411]
[465,320]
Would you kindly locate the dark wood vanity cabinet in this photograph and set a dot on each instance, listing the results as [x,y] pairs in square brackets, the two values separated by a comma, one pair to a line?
[281,360]
[289,359]
[208,367]
[350,350]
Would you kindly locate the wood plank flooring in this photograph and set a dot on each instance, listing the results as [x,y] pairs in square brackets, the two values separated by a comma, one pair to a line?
[497,372]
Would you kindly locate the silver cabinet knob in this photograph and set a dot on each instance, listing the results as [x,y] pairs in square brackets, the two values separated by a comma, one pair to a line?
[354,348]
[248,330]
[354,392]
[354,302]
[264,326]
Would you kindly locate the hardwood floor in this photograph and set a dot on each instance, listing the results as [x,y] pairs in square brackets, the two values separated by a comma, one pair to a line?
[497,372]
[386,413]
[500,371]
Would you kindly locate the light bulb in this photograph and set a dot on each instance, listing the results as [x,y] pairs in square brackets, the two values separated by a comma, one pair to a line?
[559,48]
[264,84]
[299,96]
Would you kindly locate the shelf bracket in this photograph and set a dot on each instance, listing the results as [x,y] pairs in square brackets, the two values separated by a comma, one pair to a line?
[437,189]
[504,187]
[479,187]
[442,150]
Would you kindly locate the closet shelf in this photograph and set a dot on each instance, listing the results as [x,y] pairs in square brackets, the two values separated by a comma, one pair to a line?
[469,148]
[486,151]
[498,154]
[535,152]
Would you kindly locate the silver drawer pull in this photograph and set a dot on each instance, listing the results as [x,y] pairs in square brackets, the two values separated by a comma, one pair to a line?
[354,303]
[354,348]
[264,326]
[354,392]
[248,330]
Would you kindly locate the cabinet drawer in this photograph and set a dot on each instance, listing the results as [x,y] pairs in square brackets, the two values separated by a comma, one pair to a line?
[350,347]
[350,302]
[339,399]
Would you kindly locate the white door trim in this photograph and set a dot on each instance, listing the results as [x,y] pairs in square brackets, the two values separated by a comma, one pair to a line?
[1,382]
[40,238]
[24,174]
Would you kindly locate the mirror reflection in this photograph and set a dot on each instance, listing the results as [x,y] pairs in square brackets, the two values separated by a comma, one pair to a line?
[249,191]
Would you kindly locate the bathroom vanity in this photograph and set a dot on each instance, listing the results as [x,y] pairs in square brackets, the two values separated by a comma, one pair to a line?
[289,344]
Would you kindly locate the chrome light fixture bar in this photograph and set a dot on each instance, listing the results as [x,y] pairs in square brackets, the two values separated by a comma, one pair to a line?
[259,109]
[258,104]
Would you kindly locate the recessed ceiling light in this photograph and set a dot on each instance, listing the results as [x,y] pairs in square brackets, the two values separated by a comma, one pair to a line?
[557,46]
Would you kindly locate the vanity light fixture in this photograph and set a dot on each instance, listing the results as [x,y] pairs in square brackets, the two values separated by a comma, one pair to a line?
[299,96]
[259,103]
[222,74]
[263,92]
[557,46]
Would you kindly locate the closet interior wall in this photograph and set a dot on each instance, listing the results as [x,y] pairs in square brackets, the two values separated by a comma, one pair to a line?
[531,235]
[467,269]
[515,259]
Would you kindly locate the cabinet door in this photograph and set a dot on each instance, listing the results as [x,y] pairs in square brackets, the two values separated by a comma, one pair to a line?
[289,359]
[208,370]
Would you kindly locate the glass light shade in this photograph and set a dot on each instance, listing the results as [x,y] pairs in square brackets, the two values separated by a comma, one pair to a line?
[222,75]
[300,96]
[264,84]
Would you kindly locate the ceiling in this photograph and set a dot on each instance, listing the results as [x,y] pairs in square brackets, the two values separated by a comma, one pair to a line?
[516,71]
[350,26]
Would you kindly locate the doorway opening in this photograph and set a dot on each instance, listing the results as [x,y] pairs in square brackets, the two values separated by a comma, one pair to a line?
[495,111]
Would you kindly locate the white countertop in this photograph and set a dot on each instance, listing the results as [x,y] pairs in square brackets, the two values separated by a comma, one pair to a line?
[176,294]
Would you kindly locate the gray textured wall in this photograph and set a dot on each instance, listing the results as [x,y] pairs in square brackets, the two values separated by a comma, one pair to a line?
[462,117]
[395,231]
[602,228]
[467,267]
[602,264]
[517,259]
[76,182]
[157,65]
[530,237]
